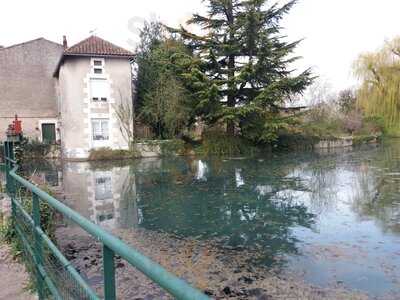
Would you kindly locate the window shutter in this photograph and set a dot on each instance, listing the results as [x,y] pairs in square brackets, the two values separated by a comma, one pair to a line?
[99,89]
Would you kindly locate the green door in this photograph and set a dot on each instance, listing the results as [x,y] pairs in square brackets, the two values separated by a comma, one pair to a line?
[49,133]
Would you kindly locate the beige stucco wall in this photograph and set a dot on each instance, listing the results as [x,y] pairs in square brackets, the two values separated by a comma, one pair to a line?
[27,86]
[77,109]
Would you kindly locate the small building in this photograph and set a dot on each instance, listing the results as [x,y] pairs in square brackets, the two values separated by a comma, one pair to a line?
[67,95]
[27,87]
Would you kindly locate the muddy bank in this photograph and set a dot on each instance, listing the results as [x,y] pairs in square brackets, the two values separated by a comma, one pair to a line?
[221,273]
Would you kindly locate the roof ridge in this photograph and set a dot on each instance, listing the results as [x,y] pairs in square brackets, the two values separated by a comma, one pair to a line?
[79,43]
[27,42]
[95,45]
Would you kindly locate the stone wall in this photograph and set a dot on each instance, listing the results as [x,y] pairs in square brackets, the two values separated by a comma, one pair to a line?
[335,143]
[344,142]
[160,148]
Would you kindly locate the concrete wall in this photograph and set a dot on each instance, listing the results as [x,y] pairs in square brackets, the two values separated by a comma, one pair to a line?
[27,86]
[335,143]
[77,109]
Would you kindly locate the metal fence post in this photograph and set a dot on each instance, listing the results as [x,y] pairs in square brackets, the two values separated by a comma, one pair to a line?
[112,245]
[11,165]
[38,245]
[7,164]
[10,183]
[109,273]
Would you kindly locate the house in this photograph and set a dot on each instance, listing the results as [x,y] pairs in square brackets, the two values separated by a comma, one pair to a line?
[27,86]
[67,94]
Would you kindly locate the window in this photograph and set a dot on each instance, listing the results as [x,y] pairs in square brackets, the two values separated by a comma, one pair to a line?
[103,217]
[103,187]
[99,90]
[100,129]
[98,66]
[48,133]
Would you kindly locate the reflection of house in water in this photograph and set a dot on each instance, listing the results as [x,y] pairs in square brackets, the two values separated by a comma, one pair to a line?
[103,207]
[106,197]
[45,172]
[52,178]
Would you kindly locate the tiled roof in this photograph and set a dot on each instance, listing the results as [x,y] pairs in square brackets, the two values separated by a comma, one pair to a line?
[94,45]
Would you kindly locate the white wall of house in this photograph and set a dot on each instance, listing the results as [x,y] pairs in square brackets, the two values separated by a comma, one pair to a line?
[89,89]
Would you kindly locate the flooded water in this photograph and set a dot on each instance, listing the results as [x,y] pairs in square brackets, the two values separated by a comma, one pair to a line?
[332,219]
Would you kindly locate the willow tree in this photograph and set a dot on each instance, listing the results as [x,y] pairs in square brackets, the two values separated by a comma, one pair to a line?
[379,93]
[243,74]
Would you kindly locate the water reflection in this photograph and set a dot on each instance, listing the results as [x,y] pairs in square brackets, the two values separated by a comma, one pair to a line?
[101,194]
[333,217]
[48,172]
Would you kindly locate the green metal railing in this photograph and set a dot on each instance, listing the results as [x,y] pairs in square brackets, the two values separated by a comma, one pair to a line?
[55,276]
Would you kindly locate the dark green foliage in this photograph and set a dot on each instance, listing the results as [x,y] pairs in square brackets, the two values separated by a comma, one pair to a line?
[162,100]
[172,147]
[241,74]
[34,148]
[47,220]
[219,143]
[150,39]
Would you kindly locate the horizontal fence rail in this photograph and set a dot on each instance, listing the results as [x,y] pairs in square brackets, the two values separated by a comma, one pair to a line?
[55,276]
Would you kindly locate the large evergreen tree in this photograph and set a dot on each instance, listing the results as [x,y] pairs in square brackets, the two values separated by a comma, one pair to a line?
[243,74]
[151,37]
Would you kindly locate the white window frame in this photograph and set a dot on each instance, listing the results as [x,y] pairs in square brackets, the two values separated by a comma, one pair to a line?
[93,66]
[107,193]
[100,143]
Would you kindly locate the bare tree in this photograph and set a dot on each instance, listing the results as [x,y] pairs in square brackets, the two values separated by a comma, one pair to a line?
[126,117]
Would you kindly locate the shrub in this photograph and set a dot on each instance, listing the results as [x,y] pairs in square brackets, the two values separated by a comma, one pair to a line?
[374,124]
[172,147]
[110,154]
[35,148]
[47,216]
[352,122]
[216,142]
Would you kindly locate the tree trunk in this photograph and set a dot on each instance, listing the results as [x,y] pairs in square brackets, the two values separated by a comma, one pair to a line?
[230,128]
[231,101]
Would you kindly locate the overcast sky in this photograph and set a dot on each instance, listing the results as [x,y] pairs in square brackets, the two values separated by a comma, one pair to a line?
[334,31]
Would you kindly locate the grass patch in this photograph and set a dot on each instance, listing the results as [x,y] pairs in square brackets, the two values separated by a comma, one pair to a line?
[110,154]
[9,235]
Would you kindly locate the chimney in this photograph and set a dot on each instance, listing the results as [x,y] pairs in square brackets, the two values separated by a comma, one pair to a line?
[65,43]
